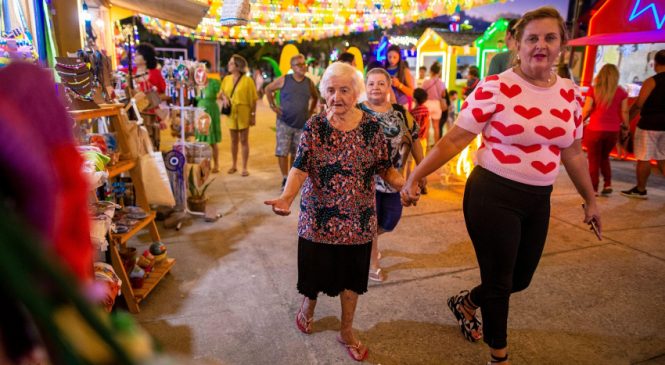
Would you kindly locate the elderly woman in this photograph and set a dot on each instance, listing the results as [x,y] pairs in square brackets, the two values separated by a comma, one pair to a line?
[340,151]
[239,91]
[395,126]
[530,121]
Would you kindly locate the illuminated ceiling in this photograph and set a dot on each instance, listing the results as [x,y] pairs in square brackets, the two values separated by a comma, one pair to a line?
[302,20]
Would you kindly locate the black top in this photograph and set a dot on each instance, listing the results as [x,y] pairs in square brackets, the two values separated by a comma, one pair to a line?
[652,115]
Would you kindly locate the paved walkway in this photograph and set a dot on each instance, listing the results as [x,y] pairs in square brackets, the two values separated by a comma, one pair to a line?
[231,297]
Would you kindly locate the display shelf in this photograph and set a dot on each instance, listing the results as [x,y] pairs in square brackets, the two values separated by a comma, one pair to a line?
[153,279]
[105,110]
[124,237]
[120,167]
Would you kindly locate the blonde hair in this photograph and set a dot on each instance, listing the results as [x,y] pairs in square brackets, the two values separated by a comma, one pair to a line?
[341,69]
[544,12]
[605,84]
[240,62]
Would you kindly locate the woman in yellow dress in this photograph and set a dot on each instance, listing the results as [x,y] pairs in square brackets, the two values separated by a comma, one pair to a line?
[239,91]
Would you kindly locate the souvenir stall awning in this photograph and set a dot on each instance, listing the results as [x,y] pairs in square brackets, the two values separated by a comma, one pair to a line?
[183,12]
[619,22]
[298,20]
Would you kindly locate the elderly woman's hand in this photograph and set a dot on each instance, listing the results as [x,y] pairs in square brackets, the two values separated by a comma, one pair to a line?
[280,206]
[410,193]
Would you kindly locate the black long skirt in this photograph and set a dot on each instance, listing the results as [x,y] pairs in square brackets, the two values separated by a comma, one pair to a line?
[330,269]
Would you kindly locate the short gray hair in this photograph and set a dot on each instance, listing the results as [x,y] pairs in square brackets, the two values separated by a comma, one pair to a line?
[380,71]
[341,69]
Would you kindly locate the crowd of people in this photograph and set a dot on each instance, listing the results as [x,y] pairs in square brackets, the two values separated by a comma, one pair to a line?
[344,139]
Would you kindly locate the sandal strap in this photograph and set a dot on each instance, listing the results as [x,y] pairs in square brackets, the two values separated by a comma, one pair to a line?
[498,359]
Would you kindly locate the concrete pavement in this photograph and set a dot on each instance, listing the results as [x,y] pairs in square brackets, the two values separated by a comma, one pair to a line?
[231,297]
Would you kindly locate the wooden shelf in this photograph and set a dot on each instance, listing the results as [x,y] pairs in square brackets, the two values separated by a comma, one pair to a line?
[153,279]
[105,110]
[120,167]
[124,237]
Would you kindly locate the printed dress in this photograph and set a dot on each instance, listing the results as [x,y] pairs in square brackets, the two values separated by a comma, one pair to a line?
[338,197]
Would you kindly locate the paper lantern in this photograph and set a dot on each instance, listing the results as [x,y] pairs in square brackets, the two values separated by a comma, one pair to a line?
[235,12]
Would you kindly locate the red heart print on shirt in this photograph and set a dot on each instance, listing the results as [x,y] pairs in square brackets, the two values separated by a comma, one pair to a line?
[510,130]
[578,120]
[464,105]
[480,116]
[550,133]
[563,114]
[527,113]
[482,95]
[555,149]
[505,159]
[528,149]
[510,91]
[492,78]
[569,95]
[499,108]
[492,139]
[543,168]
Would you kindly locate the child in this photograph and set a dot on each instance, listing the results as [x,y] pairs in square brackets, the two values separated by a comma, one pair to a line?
[421,115]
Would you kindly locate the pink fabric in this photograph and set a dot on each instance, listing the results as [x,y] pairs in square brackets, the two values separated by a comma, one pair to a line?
[524,127]
[606,118]
[434,88]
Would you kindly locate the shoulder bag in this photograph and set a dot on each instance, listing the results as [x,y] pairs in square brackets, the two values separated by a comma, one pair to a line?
[226,110]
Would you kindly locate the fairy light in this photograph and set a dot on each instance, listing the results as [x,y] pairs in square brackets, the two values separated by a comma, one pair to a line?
[312,19]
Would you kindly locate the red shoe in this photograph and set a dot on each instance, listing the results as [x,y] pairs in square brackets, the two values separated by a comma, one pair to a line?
[354,350]
[304,324]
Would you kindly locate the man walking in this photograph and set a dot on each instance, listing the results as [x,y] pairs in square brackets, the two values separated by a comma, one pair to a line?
[650,132]
[298,99]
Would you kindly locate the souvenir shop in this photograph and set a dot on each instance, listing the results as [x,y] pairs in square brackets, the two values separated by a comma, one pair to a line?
[104,242]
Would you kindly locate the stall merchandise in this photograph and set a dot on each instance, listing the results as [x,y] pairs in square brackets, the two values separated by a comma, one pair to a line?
[134,216]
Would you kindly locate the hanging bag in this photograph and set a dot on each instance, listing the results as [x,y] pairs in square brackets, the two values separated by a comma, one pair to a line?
[226,110]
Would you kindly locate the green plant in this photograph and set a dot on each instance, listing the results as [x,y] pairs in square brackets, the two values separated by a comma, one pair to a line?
[195,191]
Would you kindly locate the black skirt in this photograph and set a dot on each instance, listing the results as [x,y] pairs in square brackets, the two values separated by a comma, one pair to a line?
[330,269]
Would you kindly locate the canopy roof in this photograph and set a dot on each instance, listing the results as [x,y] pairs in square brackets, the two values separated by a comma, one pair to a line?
[286,20]
[187,13]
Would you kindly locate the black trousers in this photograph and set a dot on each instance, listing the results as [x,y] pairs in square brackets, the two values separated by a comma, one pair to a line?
[507,222]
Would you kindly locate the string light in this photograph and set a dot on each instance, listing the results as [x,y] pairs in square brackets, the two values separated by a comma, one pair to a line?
[289,20]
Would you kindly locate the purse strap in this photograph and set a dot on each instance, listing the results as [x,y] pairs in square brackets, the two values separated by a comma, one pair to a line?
[234,86]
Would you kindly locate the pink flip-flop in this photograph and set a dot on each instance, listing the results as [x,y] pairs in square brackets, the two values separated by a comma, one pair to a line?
[354,350]
[300,316]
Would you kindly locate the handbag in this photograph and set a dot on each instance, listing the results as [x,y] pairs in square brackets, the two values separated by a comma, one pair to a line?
[406,144]
[226,110]
[156,180]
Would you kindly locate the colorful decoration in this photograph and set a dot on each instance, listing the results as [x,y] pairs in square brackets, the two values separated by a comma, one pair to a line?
[489,44]
[280,21]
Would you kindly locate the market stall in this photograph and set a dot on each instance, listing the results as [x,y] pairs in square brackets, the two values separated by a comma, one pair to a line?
[630,41]
[454,51]
[489,44]
[626,33]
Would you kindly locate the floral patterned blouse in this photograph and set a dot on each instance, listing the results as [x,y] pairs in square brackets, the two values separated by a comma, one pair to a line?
[338,198]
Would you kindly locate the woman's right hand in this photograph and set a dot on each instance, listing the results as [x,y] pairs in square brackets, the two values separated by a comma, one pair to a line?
[410,193]
[279,206]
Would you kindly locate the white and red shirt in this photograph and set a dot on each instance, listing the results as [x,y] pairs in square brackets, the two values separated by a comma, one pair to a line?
[524,127]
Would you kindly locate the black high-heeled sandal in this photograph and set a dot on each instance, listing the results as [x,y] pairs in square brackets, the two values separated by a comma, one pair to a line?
[496,360]
[471,329]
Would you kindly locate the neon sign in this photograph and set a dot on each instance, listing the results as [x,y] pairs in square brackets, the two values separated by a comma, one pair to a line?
[635,13]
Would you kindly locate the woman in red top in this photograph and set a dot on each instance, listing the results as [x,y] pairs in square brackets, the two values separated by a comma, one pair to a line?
[608,106]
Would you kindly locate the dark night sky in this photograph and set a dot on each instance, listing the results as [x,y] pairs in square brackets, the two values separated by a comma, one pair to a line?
[493,11]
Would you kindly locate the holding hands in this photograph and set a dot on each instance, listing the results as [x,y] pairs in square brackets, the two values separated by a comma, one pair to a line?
[410,193]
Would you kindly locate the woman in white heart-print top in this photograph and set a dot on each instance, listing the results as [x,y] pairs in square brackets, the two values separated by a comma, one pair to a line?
[530,121]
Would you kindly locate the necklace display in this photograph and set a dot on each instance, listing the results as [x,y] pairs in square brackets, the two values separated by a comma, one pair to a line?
[78,82]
